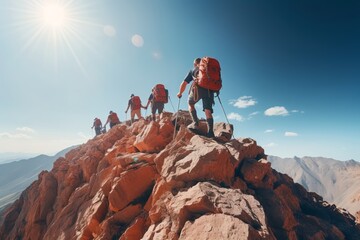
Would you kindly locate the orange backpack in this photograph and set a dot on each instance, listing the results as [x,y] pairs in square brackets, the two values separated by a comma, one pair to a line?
[160,94]
[136,103]
[114,118]
[209,74]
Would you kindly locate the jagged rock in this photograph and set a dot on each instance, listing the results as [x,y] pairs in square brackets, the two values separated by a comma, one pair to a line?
[130,185]
[254,171]
[182,117]
[219,226]
[205,198]
[155,136]
[136,182]
[223,132]
[201,159]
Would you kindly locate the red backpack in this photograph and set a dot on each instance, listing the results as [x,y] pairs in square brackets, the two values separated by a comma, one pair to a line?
[209,74]
[114,118]
[136,103]
[160,94]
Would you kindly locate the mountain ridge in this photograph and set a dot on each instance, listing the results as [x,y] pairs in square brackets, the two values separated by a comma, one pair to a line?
[137,182]
[334,180]
[15,176]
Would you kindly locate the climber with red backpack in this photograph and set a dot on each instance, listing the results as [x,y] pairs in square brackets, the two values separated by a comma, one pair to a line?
[207,81]
[158,97]
[97,125]
[135,106]
[113,119]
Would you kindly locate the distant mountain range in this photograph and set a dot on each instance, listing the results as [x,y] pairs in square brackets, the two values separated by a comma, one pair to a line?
[14,156]
[336,181]
[17,175]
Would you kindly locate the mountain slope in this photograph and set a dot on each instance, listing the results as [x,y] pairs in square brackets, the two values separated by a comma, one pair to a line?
[137,182]
[336,181]
[18,175]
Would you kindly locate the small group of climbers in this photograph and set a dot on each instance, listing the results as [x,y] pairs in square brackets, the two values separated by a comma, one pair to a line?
[206,83]
[158,97]
[112,119]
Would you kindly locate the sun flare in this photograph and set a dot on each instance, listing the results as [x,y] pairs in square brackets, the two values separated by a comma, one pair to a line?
[63,28]
[54,15]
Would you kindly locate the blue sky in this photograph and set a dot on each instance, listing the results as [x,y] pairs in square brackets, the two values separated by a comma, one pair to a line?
[290,68]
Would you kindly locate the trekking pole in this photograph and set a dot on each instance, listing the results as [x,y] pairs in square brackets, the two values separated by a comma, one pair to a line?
[232,134]
[171,104]
[177,113]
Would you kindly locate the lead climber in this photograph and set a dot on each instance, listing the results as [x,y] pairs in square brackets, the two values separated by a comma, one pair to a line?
[206,81]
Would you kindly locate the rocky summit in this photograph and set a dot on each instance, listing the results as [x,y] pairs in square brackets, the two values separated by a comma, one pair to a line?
[138,182]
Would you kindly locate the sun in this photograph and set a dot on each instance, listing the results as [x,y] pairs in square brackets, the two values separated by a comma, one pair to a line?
[61,28]
[53,15]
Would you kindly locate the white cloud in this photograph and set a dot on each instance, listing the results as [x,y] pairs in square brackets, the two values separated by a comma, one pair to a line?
[109,31]
[297,111]
[276,111]
[252,114]
[235,116]
[272,144]
[243,102]
[14,136]
[137,40]
[25,129]
[291,134]
[269,131]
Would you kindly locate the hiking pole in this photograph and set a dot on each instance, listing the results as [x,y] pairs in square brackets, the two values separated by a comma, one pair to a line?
[176,118]
[232,134]
[171,104]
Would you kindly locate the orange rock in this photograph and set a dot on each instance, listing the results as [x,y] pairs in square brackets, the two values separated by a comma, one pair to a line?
[254,171]
[130,186]
[202,159]
[191,187]
[135,230]
[155,136]
[219,226]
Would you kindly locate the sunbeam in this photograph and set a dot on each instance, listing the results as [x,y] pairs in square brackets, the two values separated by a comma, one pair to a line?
[57,24]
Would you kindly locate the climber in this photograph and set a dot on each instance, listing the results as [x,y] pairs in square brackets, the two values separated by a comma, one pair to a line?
[98,125]
[135,105]
[198,91]
[112,119]
[158,98]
